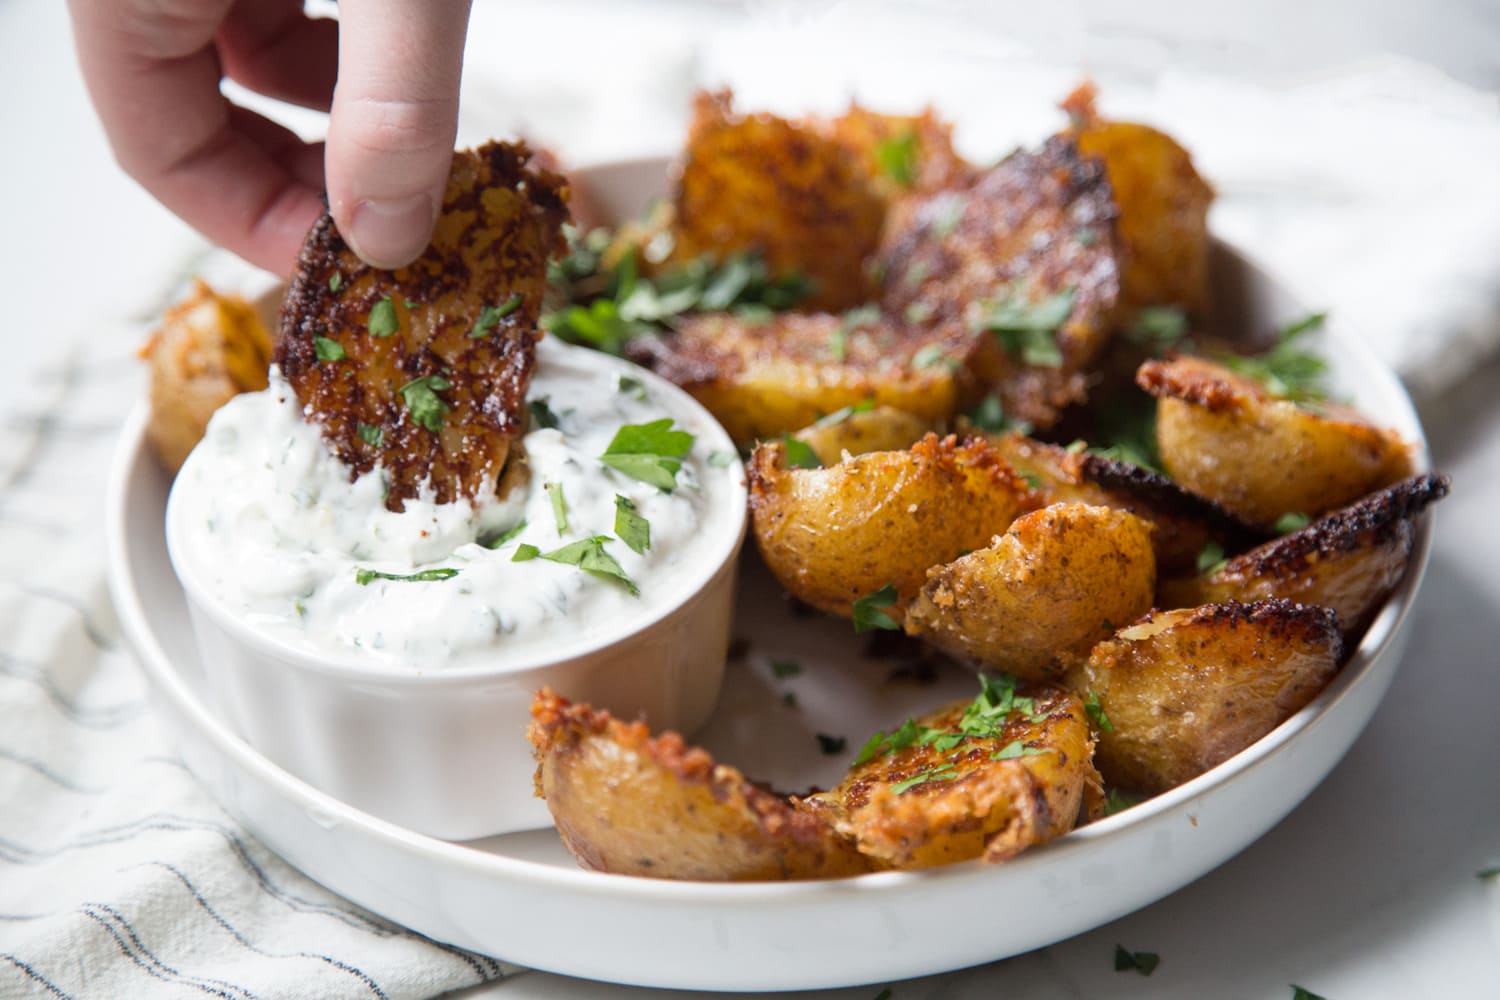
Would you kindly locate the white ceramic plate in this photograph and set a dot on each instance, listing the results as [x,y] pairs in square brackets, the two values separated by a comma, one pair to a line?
[521,898]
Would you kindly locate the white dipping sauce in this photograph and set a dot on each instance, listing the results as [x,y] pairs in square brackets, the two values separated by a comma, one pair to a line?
[271,526]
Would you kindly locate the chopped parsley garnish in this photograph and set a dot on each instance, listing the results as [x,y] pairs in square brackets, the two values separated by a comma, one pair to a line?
[1158,327]
[507,536]
[785,668]
[722,459]
[789,699]
[941,772]
[1118,801]
[650,452]
[884,994]
[328,349]
[1015,749]
[1087,236]
[1286,370]
[1096,712]
[542,413]
[1298,993]
[897,157]
[933,356]
[990,416]
[1211,558]
[370,434]
[831,744]
[490,316]
[559,505]
[630,527]
[336,282]
[525,552]
[799,454]
[1292,521]
[422,400]
[632,387]
[364,577]
[1144,962]
[844,413]
[588,555]
[1027,330]
[869,613]
[383,321]
[1488,873]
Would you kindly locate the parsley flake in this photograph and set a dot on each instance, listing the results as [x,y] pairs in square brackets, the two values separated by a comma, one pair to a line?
[559,505]
[651,452]
[525,552]
[423,402]
[1286,370]
[383,321]
[588,555]
[1488,873]
[1015,749]
[1292,521]
[1027,330]
[542,413]
[942,772]
[1298,993]
[1118,801]
[370,434]
[869,613]
[799,454]
[897,157]
[844,413]
[328,349]
[934,356]
[630,527]
[507,536]
[1096,712]
[990,416]
[1211,558]
[364,577]
[632,387]
[831,744]
[490,316]
[336,282]
[722,459]
[1144,962]
[1158,327]
[785,668]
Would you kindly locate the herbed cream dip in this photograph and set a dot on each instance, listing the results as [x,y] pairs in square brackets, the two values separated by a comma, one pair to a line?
[270,525]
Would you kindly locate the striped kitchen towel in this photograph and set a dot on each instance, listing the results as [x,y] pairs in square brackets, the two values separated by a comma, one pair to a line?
[119,876]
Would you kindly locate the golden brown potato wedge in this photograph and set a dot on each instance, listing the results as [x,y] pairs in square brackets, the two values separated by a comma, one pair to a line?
[765,379]
[628,803]
[425,369]
[1348,561]
[1181,691]
[1225,437]
[1025,257]
[208,349]
[799,196]
[1163,206]
[831,536]
[984,779]
[1182,522]
[860,431]
[1058,581]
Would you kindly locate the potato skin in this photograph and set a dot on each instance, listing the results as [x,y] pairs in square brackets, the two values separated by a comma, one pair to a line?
[831,536]
[1223,436]
[881,428]
[1348,561]
[1058,581]
[762,380]
[1182,522]
[981,808]
[208,349]
[1186,690]
[1163,206]
[628,803]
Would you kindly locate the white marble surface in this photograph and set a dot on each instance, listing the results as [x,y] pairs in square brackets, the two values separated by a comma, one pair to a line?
[1368,890]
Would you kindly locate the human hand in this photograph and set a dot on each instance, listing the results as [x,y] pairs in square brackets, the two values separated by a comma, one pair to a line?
[153,69]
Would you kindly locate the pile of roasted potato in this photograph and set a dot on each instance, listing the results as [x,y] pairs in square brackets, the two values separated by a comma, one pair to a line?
[907,428]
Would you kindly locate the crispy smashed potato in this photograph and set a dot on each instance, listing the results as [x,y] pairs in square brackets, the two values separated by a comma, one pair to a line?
[785,188]
[1348,561]
[387,361]
[1058,581]
[208,349]
[932,802]
[1183,522]
[628,803]
[831,536]
[765,379]
[901,153]
[879,428]
[1225,437]
[1027,249]
[1185,690]
[1163,206]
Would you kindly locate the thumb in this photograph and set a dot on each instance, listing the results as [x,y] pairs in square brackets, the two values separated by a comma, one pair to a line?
[394,116]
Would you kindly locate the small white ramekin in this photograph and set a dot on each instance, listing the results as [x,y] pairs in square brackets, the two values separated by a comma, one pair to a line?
[444,752]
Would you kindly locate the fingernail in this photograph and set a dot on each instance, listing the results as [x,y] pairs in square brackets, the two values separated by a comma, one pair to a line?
[391,234]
